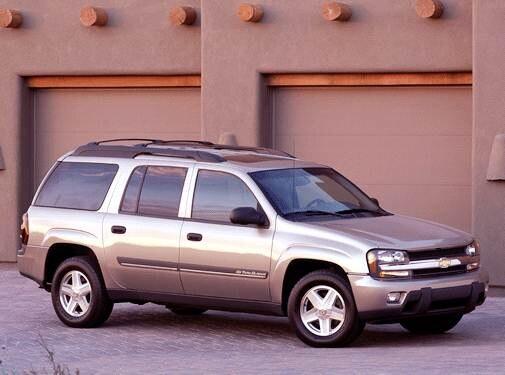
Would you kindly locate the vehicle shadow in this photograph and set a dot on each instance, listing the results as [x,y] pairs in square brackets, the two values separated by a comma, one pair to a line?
[471,331]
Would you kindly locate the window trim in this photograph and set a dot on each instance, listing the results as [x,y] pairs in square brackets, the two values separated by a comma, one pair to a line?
[136,213]
[229,223]
[55,167]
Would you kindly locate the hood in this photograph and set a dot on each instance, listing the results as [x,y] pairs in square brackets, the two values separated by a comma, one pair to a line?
[398,232]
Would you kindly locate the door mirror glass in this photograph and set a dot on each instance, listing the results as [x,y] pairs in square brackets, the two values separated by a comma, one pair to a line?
[247,215]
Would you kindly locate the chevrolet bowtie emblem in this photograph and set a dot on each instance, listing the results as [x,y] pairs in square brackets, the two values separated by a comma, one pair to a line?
[444,263]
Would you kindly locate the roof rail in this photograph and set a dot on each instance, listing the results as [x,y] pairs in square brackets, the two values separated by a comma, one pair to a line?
[196,150]
[127,140]
[180,142]
[130,152]
[215,146]
[261,150]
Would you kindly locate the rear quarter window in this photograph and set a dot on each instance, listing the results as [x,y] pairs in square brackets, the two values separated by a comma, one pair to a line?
[81,186]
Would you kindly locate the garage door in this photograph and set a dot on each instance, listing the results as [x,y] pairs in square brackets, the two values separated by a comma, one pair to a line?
[410,147]
[67,118]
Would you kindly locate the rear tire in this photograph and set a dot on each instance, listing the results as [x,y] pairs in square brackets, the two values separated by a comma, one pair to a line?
[186,310]
[78,294]
[432,325]
[322,310]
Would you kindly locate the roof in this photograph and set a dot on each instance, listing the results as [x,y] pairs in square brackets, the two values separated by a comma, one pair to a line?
[200,151]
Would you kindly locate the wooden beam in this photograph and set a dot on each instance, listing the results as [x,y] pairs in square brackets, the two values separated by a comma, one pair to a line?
[370,79]
[43,82]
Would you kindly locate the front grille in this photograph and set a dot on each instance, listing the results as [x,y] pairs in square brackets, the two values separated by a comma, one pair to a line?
[437,253]
[429,272]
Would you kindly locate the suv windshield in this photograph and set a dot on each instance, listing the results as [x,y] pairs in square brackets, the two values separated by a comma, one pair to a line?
[298,193]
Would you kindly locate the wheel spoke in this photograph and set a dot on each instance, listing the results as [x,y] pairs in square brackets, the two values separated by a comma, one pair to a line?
[315,299]
[329,299]
[336,314]
[83,304]
[76,280]
[310,316]
[72,304]
[66,289]
[84,290]
[325,326]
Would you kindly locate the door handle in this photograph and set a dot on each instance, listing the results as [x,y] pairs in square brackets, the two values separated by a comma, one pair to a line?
[118,229]
[194,237]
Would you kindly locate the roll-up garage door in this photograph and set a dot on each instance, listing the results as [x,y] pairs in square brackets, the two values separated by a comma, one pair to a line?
[410,147]
[67,118]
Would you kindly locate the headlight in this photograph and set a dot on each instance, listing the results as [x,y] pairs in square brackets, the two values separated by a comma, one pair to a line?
[473,249]
[379,258]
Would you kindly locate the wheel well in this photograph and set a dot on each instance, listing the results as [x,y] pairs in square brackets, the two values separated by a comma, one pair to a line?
[298,268]
[58,253]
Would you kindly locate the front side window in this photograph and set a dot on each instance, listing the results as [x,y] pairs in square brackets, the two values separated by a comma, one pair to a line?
[217,194]
[154,191]
[80,186]
[298,193]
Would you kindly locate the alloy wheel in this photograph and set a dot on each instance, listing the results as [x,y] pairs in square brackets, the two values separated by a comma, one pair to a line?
[75,293]
[322,310]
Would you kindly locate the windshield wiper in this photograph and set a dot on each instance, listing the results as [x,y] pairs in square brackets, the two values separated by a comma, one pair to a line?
[356,210]
[312,213]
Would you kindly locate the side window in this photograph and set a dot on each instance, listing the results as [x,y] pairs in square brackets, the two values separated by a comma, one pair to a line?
[154,191]
[217,194]
[76,185]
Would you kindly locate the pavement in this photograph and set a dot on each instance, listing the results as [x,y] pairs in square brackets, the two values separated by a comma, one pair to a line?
[149,339]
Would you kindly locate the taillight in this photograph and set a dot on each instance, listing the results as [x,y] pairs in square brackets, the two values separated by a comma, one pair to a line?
[25,232]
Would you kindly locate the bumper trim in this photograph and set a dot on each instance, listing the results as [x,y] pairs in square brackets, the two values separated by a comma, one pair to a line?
[429,301]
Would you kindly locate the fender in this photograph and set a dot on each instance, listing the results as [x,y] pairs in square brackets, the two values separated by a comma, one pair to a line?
[332,255]
[71,236]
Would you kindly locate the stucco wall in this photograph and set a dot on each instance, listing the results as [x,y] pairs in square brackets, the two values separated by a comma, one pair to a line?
[382,36]
[137,40]
[489,120]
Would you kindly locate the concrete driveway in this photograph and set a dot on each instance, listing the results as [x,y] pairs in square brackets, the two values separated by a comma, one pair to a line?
[150,340]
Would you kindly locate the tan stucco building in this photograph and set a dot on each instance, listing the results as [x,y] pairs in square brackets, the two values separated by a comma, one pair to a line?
[407,107]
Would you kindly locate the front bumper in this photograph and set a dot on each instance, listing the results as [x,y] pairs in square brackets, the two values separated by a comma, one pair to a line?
[422,297]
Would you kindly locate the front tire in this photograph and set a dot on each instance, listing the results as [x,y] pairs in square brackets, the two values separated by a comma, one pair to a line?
[432,325]
[78,294]
[322,311]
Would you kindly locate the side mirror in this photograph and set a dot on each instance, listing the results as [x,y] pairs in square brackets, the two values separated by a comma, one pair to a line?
[375,201]
[247,215]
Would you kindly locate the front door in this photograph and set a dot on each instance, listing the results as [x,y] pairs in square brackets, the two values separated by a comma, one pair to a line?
[142,239]
[218,258]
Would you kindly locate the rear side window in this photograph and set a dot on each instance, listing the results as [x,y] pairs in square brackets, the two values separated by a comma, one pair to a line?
[132,192]
[80,186]
[154,191]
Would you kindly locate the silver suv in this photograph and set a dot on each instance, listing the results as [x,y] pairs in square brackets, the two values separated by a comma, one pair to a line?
[196,226]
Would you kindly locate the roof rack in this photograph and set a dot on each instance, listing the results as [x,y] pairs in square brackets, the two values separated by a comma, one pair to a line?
[150,140]
[130,152]
[214,146]
[179,142]
[197,149]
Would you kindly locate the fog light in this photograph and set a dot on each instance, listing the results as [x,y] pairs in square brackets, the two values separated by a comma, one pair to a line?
[472,266]
[394,297]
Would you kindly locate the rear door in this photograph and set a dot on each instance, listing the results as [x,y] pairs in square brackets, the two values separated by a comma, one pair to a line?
[142,238]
